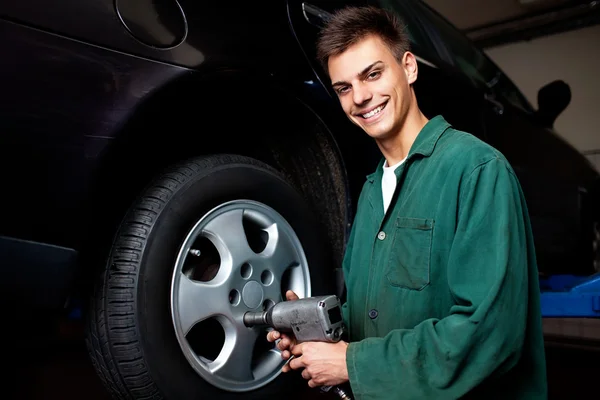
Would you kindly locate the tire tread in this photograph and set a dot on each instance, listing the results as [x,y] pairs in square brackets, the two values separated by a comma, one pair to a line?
[113,337]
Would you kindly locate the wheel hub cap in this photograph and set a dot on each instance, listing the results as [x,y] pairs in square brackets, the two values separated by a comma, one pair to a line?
[252,294]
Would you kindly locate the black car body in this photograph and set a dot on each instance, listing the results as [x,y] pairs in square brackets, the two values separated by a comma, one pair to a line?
[99,96]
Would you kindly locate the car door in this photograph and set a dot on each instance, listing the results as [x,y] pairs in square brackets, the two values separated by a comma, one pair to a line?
[552,174]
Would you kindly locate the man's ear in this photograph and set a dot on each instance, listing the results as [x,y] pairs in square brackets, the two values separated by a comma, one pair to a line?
[409,62]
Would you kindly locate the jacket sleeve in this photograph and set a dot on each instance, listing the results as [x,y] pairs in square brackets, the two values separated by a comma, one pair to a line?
[485,329]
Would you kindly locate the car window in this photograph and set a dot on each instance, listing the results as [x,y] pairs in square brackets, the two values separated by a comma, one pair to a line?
[468,58]
[420,41]
[507,89]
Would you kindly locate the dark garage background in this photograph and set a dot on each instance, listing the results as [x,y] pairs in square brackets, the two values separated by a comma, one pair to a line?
[534,42]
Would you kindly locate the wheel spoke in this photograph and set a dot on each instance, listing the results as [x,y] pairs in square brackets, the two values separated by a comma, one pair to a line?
[235,360]
[280,251]
[231,240]
[197,301]
[281,256]
[271,361]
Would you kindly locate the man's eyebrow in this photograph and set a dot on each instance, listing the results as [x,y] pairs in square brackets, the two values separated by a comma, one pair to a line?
[361,73]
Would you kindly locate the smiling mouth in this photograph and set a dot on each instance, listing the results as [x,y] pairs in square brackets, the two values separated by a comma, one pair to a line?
[374,112]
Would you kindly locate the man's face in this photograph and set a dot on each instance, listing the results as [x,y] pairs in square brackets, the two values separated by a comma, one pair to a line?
[373,87]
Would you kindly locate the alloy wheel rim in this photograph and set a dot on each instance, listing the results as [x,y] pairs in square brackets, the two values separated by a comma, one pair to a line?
[240,256]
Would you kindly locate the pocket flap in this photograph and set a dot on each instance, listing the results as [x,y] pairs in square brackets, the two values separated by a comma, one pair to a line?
[414,223]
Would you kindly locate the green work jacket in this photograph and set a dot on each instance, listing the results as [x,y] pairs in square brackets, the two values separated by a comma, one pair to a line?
[443,296]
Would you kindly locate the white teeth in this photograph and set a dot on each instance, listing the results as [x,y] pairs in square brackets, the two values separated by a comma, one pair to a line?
[375,111]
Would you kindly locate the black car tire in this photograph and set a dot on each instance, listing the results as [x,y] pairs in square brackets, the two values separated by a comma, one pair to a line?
[130,330]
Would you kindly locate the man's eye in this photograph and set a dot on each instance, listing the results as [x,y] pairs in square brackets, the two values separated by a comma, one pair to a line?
[373,75]
[343,89]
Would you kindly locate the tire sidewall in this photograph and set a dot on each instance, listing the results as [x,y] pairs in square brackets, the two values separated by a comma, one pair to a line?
[205,190]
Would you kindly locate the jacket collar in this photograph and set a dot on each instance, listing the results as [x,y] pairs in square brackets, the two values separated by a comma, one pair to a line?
[424,143]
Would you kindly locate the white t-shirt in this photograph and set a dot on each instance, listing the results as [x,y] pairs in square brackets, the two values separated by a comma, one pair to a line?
[388,183]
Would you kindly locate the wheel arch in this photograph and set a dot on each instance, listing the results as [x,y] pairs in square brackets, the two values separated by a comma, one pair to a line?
[230,111]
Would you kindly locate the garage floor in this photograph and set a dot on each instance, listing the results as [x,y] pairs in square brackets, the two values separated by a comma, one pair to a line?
[60,369]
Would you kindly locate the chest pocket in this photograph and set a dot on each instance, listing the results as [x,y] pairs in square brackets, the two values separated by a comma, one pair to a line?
[408,264]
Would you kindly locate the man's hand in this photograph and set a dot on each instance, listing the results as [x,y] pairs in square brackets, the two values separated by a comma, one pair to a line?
[287,342]
[324,363]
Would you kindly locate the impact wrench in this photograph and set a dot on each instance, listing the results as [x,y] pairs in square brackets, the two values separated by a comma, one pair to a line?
[313,319]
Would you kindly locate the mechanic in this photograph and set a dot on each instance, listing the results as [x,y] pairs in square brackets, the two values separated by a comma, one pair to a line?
[440,270]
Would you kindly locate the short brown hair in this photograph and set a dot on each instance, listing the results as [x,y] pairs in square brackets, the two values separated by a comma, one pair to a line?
[351,24]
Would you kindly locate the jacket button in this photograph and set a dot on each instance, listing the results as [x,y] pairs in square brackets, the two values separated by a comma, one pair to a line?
[381,235]
[373,314]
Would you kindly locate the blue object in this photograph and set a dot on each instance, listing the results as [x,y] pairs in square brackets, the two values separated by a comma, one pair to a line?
[75,314]
[570,296]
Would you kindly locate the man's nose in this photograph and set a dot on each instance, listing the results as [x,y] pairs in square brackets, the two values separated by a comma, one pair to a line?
[361,94]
